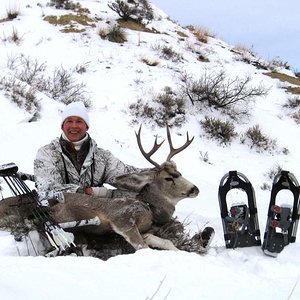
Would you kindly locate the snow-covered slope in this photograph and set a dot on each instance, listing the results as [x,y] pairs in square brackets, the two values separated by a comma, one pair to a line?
[115,77]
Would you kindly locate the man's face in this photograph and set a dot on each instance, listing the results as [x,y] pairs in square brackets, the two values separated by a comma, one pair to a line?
[74,128]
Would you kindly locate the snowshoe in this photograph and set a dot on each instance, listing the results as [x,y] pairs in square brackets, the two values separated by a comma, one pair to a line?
[282,222]
[240,222]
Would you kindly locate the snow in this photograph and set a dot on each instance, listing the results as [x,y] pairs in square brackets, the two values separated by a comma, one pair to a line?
[116,77]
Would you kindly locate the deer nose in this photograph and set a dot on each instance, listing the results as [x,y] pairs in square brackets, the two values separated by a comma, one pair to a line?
[194,191]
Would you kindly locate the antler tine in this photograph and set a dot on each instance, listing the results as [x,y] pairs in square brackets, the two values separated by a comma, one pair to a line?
[174,151]
[147,155]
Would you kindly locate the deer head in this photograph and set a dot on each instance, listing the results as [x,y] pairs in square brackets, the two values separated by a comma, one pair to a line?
[164,181]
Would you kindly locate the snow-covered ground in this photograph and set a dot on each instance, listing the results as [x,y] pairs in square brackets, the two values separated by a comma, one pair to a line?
[116,77]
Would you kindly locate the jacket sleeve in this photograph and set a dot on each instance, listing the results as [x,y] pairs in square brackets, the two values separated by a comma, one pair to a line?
[115,167]
[49,174]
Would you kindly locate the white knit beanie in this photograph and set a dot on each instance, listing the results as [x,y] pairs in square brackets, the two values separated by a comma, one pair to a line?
[75,109]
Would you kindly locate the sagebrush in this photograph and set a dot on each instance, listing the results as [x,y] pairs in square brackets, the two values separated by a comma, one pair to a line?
[219,91]
[222,131]
[61,85]
[166,107]
[257,140]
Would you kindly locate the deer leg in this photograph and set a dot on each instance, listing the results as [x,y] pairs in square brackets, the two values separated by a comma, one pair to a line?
[157,242]
[132,236]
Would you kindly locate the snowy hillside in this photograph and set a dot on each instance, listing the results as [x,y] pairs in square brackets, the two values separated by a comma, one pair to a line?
[114,76]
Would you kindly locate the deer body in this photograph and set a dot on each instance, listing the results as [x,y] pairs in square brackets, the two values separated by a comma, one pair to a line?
[131,217]
[125,216]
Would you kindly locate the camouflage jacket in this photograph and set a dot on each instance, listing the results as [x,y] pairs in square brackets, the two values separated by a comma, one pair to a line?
[55,172]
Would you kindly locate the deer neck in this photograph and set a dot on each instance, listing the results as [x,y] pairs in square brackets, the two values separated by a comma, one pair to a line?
[161,207]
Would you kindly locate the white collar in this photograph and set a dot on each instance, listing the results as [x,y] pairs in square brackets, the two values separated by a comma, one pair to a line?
[78,144]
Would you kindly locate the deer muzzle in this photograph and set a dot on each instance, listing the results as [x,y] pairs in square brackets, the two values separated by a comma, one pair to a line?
[193,192]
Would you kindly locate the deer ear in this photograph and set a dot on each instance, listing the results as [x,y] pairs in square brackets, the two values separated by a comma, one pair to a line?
[133,182]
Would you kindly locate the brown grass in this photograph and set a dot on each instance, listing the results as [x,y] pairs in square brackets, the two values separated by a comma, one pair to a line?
[182,34]
[134,25]
[70,19]
[201,33]
[286,78]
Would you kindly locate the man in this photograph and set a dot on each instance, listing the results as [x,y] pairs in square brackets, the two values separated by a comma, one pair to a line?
[73,162]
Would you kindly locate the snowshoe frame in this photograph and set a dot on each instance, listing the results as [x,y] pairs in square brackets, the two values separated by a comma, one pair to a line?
[240,226]
[282,221]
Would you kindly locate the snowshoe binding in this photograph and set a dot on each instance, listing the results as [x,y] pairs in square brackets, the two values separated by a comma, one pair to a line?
[240,222]
[282,222]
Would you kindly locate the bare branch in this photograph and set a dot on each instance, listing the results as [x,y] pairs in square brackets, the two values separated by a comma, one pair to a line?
[220,92]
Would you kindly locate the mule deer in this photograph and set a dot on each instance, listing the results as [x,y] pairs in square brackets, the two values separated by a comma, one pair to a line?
[158,191]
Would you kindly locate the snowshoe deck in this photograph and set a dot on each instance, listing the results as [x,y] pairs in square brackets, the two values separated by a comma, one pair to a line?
[240,223]
[282,222]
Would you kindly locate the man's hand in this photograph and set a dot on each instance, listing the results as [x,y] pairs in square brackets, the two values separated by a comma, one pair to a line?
[89,191]
[99,191]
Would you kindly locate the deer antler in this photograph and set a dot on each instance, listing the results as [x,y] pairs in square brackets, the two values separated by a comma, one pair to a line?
[174,151]
[151,152]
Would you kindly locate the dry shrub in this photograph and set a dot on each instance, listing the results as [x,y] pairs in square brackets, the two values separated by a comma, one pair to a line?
[201,33]
[150,61]
[256,139]
[223,132]
[114,34]
[166,107]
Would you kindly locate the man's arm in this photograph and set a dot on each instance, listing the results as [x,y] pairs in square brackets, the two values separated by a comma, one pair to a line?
[49,175]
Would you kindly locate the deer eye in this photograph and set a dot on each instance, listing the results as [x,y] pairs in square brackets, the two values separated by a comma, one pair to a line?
[169,179]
